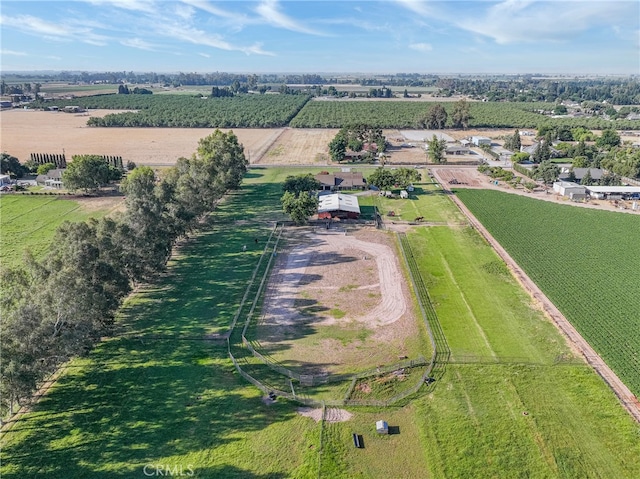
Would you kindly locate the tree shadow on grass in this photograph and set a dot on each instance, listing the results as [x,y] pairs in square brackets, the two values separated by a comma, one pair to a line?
[157,401]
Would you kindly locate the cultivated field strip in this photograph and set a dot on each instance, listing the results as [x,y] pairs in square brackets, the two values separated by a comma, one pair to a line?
[597,301]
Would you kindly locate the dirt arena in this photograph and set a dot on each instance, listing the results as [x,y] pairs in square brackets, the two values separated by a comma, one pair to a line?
[336,301]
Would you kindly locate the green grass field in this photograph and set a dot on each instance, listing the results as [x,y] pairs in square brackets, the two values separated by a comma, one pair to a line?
[585,261]
[427,201]
[158,393]
[29,222]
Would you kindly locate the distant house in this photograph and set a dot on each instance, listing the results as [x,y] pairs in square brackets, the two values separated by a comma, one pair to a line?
[533,148]
[457,150]
[5,180]
[578,173]
[53,179]
[346,180]
[338,205]
[6,104]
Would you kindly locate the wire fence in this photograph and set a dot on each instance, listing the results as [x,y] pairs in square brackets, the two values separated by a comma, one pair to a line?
[439,357]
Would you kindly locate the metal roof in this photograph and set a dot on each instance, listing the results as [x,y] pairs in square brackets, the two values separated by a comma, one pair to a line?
[338,202]
[614,189]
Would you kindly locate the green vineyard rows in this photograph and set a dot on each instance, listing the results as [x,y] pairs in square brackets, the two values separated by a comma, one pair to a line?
[586,261]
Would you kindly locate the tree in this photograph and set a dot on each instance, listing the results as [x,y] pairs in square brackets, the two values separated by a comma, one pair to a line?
[123,90]
[300,183]
[587,180]
[223,162]
[460,116]
[513,142]
[436,118]
[404,177]
[382,178]
[88,173]
[10,165]
[299,207]
[436,149]
[608,139]
[338,147]
[45,168]
[520,157]
[547,172]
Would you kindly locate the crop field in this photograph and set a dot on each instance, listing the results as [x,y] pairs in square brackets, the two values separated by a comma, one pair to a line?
[585,261]
[399,114]
[25,132]
[29,222]
[168,111]
[511,402]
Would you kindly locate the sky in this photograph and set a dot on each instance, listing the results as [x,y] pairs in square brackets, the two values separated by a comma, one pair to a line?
[511,36]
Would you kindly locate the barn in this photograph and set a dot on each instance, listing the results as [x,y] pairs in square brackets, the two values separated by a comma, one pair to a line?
[338,205]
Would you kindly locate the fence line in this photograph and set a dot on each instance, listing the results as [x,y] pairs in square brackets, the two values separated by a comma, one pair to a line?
[439,356]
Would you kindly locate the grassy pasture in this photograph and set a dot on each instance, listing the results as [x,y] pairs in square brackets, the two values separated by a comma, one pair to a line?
[585,261]
[28,222]
[427,200]
[157,393]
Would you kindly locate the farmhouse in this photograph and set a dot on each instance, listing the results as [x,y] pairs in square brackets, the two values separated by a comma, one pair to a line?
[52,179]
[338,205]
[346,180]
[578,173]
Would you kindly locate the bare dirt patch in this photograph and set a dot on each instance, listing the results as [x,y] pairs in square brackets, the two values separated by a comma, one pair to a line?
[332,414]
[24,132]
[101,203]
[300,146]
[337,301]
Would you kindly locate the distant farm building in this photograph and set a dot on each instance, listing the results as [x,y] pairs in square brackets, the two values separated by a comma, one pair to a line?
[480,140]
[570,190]
[614,192]
[346,180]
[5,180]
[533,148]
[338,205]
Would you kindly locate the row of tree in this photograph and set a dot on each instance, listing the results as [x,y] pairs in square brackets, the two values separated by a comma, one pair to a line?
[58,307]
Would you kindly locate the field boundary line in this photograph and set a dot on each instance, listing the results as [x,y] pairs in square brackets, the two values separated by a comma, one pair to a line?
[628,400]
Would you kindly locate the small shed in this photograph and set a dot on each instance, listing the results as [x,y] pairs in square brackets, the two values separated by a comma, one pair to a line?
[404,194]
[480,140]
[382,427]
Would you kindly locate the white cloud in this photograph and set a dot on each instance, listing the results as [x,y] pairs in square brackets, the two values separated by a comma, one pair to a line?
[53,31]
[268,11]
[138,43]
[205,6]
[148,6]
[13,53]
[204,55]
[514,21]
[421,47]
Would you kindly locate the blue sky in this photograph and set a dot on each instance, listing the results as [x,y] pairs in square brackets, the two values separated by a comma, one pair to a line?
[510,36]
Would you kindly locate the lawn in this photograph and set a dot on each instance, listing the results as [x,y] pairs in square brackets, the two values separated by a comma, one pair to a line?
[29,222]
[585,261]
[511,403]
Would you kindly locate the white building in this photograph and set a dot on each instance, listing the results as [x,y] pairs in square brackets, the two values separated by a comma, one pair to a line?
[338,205]
[569,189]
[614,192]
[480,140]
